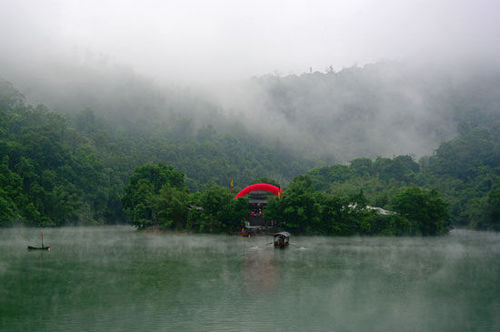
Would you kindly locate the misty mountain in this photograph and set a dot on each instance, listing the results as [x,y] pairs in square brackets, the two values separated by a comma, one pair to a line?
[112,91]
[109,122]
[61,168]
[382,109]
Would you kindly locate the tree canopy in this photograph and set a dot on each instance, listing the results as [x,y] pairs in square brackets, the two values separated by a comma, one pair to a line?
[58,169]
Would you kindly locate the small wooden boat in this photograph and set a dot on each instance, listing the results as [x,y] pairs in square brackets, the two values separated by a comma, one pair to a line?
[38,248]
[281,240]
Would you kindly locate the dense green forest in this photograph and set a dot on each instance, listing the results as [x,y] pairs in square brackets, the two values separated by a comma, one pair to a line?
[465,170]
[58,169]
[86,166]
[304,210]
[157,197]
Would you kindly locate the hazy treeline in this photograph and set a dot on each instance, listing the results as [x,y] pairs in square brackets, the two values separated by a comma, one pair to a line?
[381,109]
[157,197]
[50,173]
[465,171]
[73,165]
[460,181]
[304,210]
[58,169]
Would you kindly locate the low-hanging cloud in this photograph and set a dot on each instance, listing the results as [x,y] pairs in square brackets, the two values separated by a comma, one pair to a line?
[196,59]
[199,41]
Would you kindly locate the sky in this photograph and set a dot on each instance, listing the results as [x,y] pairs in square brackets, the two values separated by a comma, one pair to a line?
[196,40]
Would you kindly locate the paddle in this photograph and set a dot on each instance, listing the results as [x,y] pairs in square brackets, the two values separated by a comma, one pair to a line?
[42,240]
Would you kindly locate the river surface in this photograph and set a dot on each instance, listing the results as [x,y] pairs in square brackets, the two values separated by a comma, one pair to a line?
[116,279]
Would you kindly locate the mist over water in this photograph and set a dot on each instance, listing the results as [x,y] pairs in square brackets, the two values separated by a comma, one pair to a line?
[113,278]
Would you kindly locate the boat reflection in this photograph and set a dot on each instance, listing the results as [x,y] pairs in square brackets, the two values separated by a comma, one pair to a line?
[261,269]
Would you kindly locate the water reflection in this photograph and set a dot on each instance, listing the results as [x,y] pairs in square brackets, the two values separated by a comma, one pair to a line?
[125,280]
[261,268]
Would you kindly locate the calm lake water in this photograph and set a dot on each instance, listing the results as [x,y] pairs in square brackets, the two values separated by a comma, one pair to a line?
[113,278]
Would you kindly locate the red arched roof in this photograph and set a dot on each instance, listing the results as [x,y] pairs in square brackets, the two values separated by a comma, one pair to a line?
[259,186]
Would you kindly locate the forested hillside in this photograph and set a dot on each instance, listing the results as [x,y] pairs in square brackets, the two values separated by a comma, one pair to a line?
[465,170]
[50,174]
[381,109]
[58,169]
[72,164]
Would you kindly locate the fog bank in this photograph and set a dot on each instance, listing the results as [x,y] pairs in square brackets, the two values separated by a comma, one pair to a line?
[341,80]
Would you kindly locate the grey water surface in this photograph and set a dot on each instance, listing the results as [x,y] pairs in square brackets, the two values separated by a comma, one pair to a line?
[116,279]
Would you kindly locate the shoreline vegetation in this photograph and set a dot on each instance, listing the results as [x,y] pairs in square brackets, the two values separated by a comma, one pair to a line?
[60,169]
[157,197]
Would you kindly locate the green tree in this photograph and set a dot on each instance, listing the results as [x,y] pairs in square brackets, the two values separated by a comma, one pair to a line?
[489,211]
[171,205]
[150,197]
[298,209]
[362,166]
[10,192]
[424,208]
[494,208]
[217,211]
[335,216]
[8,209]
